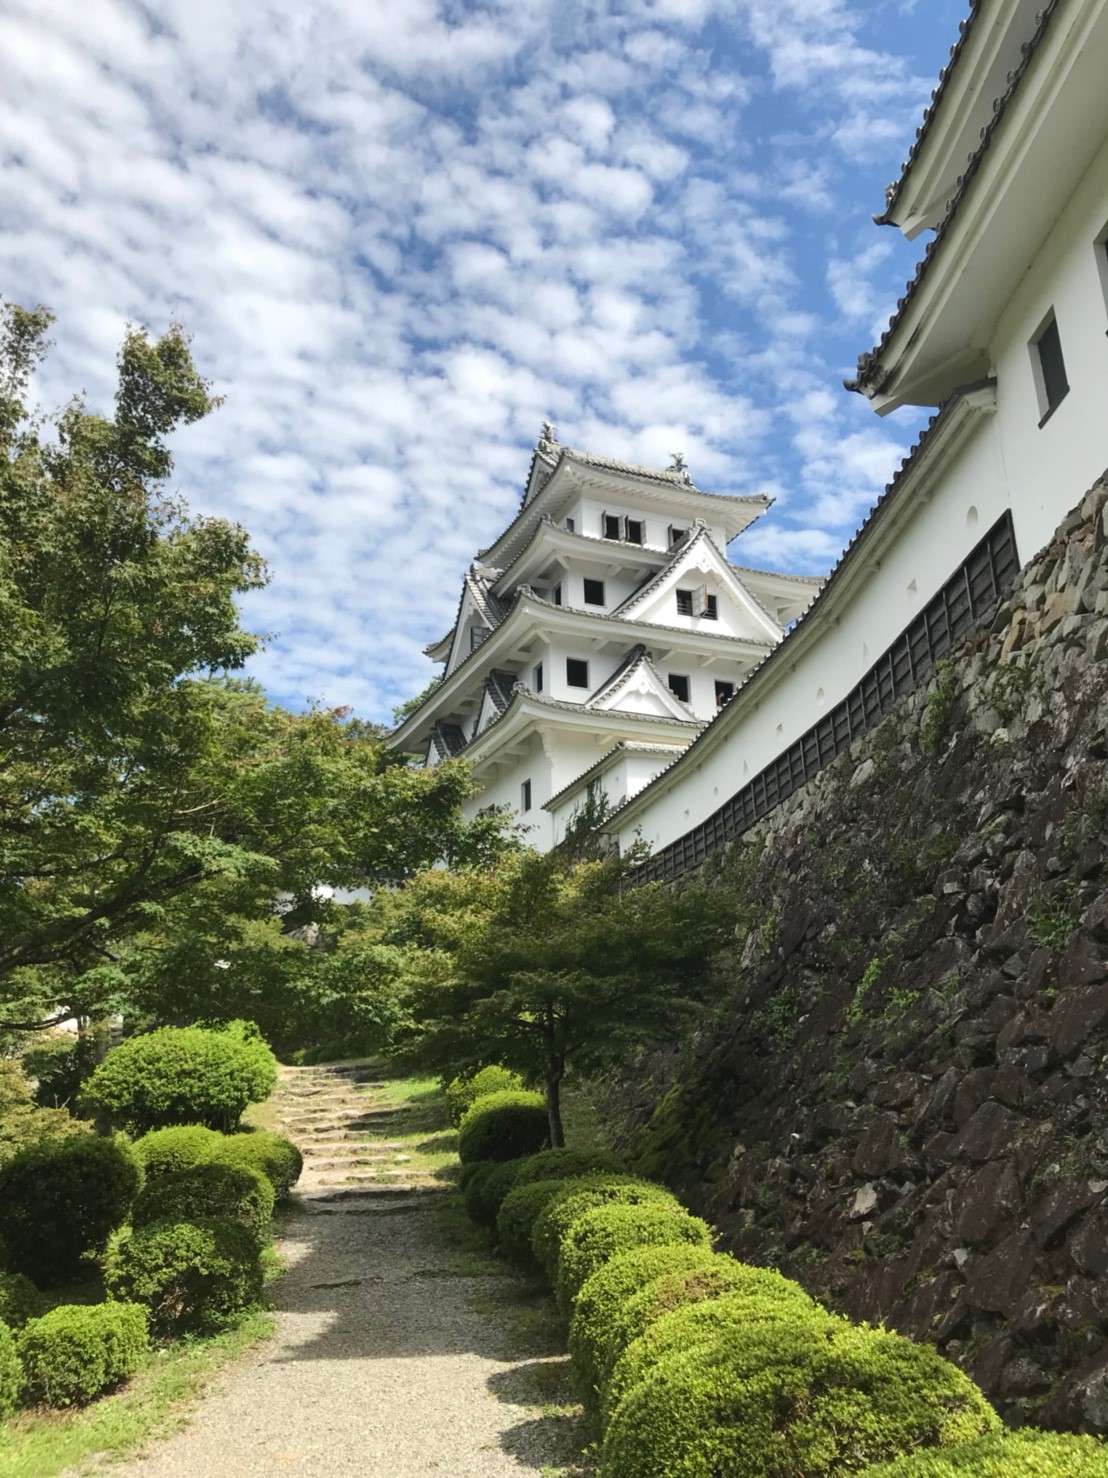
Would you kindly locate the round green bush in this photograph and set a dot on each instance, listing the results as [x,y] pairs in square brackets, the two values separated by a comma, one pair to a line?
[582,1195]
[485,1192]
[190,1275]
[212,1189]
[166,1151]
[465,1090]
[568,1164]
[783,1397]
[716,1278]
[1024,1454]
[606,1231]
[76,1351]
[63,1199]
[20,1300]
[182,1075]
[503,1126]
[689,1272]
[276,1157]
[519,1210]
[11,1372]
[691,1325]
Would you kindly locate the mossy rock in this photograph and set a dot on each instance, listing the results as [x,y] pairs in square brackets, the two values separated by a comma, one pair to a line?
[605,1231]
[806,1395]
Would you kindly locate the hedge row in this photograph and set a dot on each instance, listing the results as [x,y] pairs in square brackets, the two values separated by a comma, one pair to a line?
[695,1364]
[175,1220]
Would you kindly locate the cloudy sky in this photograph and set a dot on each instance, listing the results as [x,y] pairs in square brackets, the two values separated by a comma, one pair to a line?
[404,232]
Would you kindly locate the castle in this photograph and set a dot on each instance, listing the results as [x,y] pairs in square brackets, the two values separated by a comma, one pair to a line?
[586,653]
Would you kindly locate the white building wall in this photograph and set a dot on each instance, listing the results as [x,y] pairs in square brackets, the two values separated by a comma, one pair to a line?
[549,770]
[971,497]
[1050,469]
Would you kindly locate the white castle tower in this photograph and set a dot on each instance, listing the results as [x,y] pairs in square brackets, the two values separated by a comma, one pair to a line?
[598,635]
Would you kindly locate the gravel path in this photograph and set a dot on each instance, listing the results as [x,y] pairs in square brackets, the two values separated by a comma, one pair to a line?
[389,1358]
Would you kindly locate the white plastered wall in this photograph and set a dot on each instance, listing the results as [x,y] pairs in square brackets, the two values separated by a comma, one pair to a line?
[1050,468]
[964,503]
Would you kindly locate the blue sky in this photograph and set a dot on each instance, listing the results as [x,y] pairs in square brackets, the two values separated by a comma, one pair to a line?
[404,232]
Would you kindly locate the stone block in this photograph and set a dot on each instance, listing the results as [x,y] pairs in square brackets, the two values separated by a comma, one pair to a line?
[987,1135]
[1076,1016]
[987,1203]
[1057,1207]
[997,1283]
[1088,1245]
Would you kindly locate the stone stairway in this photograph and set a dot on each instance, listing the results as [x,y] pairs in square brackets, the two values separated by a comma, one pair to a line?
[341,1118]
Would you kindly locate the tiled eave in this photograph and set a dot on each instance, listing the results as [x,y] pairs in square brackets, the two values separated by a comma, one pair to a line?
[537,705]
[873,376]
[965,29]
[616,753]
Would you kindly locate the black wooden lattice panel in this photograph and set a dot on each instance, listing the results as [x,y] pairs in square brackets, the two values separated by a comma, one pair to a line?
[966,600]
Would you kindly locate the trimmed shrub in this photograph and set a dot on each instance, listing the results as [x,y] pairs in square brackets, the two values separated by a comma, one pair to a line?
[467,1172]
[189,1274]
[519,1210]
[20,1300]
[11,1372]
[212,1189]
[464,1091]
[63,1199]
[182,1075]
[582,1195]
[166,1151]
[76,1351]
[618,1302]
[276,1157]
[693,1325]
[606,1231]
[568,1164]
[503,1126]
[765,1400]
[715,1278]
[23,1124]
[485,1192]
[1022,1454]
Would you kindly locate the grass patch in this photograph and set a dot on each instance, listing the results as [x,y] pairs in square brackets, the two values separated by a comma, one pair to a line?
[153,1404]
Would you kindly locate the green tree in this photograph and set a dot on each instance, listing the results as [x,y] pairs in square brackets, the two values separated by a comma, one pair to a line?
[545,962]
[139,784]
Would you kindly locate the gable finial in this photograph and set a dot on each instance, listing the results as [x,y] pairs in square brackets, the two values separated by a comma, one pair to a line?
[548,436]
[678,464]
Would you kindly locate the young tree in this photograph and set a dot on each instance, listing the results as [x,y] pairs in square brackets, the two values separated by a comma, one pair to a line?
[547,962]
[133,772]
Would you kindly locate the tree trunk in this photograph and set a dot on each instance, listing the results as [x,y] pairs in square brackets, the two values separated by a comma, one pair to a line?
[554,1107]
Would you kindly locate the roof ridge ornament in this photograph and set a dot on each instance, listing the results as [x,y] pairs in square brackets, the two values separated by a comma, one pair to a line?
[678,464]
[548,437]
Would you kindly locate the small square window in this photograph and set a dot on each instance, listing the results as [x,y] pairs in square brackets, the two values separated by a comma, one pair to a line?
[634,531]
[710,611]
[684,602]
[594,592]
[538,677]
[569,525]
[577,673]
[525,796]
[724,692]
[476,637]
[679,686]
[1049,368]
[611,526]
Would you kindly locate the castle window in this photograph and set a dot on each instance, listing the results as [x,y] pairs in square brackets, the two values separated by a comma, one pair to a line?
[1049,368]
[525,796]
[538,678]
[557,595]
[679,686]
[577,673]
[676,535]
[724,692]
[611,526]
[634,531]
[706,605]
[569,526]
[684,602]
[476,637]
[594,592]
